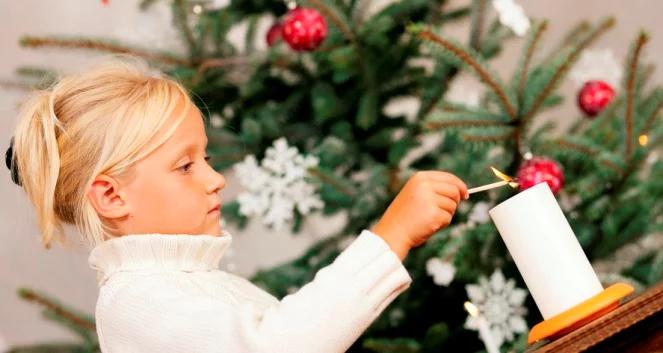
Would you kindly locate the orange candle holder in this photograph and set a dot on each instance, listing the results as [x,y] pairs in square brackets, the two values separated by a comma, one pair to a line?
[581,314]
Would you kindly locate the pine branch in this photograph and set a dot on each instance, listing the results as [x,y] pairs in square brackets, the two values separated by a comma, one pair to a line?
[217,63]
[470,60]
[21,86]
[182,22]
[535,34]
[588,151]
[433,92]
[335,16]
[146,4]
[330,181]
[494,138]
[574,33]
[569,38]
[432,125]
[38,72]
[629,84]
[79,321]
[649,122]
[250,36]
[563,69]
[101,45]
[478,13]
[454,14]
[464,118]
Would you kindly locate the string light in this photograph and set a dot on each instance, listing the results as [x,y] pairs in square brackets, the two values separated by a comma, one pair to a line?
[643,140]
[528,155]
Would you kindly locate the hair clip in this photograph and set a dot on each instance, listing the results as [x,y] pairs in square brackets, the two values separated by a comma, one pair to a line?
[11,165]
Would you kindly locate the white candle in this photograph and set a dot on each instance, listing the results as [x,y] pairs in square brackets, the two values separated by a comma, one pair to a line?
[545,250]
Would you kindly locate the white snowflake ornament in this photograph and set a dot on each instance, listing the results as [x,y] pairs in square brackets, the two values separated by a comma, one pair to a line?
[500,302]
[278,185]
[597,64]
[443,272]
[512,15]
[479,213]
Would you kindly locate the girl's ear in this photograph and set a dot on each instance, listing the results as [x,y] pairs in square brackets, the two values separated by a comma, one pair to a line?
[107,198]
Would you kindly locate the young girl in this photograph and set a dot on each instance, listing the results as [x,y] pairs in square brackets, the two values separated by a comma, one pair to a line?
[120,153]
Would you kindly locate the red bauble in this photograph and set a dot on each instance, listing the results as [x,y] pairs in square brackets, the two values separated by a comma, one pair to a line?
[304,28]
[274,34]
[594,96]
[539,169]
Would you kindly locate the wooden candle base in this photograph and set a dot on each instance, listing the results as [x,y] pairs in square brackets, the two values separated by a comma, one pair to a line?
[581,314]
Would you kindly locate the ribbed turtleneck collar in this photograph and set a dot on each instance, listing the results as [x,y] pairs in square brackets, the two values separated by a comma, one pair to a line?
[157,251]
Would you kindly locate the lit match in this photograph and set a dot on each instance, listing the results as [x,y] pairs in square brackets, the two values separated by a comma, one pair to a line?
[506,180]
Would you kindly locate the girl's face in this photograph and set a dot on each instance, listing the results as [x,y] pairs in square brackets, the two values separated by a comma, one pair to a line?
[174,190]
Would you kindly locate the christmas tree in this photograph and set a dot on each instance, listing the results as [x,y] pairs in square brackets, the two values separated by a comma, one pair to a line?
[307,125]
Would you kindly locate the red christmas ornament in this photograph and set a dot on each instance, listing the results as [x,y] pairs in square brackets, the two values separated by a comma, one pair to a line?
[594,96]
[274,34]
[540,169]
[304,28]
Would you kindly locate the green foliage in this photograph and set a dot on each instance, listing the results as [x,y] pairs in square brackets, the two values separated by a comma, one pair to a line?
[82,325]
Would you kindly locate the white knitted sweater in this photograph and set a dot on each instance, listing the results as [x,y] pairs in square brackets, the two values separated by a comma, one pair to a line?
[165,293]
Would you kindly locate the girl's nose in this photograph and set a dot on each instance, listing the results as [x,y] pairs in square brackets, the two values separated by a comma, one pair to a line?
[217,182]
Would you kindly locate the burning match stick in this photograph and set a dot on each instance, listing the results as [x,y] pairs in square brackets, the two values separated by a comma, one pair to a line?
[506,180]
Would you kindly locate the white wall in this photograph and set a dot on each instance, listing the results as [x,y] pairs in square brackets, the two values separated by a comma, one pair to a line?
[64,273]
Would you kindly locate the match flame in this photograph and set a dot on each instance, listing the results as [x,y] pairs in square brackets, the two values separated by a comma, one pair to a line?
[513,182]
[471,308]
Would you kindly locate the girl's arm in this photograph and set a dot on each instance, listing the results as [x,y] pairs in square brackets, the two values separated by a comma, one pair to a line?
[326,315]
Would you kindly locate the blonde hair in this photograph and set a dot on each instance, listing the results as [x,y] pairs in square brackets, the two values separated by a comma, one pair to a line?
[98,121]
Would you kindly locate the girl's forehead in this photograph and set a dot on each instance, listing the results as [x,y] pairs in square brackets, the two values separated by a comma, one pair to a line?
[190,133]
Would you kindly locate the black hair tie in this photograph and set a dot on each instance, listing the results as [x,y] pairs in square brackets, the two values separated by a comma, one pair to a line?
[11,164]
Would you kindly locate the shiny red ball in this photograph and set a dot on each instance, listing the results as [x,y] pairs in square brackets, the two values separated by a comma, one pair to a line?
[304,29]
[594,96]
[538,170]
[274,34]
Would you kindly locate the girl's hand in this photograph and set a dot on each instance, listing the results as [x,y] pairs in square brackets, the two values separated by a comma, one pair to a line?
[425,204]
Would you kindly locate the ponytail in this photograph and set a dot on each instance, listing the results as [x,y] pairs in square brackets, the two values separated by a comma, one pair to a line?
[37,157]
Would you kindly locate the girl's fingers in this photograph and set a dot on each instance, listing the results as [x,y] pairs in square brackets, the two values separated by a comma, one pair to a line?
[447,190]
[447,204]
[444,177]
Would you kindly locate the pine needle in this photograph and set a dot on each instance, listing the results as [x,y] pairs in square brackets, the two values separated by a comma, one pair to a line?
[101,45]
[478,13]
[629,83]
[588,151]
[32,296]
[523,67]
[489,138]
[478,68]
[460,123]
[335,18]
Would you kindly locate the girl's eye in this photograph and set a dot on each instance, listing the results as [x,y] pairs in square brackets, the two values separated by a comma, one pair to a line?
[187,167]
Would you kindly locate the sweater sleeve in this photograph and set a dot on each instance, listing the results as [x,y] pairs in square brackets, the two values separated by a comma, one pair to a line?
[327,315]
